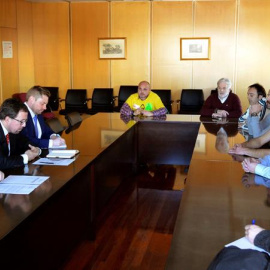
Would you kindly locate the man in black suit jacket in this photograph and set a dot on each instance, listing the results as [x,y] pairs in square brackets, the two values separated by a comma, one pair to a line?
[36,101]
[15,151]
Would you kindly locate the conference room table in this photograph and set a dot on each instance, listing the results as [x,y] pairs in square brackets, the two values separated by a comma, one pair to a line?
[37,231]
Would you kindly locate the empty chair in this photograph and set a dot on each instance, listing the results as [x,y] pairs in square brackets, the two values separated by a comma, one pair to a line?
[166,98]
[191,101]
[75,101]
[55,125]
[54,98]
[124,92]
[102,100]
[74,120]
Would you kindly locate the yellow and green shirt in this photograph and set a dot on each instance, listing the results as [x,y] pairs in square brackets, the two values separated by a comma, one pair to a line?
[151,103]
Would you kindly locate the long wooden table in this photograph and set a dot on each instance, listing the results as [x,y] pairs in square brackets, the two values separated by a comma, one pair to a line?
[37,231]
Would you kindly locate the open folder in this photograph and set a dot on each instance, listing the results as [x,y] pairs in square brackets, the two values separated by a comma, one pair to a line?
[62,153]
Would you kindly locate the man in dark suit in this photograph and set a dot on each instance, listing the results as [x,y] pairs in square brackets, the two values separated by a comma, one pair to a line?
[15,149]
[36,130]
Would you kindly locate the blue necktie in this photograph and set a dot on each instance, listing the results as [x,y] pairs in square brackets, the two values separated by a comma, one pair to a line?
[35,124]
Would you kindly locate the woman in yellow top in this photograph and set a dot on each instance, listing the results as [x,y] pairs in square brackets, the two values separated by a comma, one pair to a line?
[145,102]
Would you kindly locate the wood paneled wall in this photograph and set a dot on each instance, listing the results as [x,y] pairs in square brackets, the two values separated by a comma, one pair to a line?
[56,44]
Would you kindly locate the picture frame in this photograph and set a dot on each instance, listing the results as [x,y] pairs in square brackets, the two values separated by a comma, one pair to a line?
[112,48]
[109,136]
[197,48]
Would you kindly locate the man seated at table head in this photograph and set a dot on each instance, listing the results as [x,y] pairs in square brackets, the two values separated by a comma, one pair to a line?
[15,149]
[145,102]
[36,130]
[222,103]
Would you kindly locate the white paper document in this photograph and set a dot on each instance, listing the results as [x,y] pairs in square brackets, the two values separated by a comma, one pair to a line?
[243,243]
[21,184]
[62,153]
[54,161]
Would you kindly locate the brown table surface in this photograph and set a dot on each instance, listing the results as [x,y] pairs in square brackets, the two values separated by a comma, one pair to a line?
[215,206]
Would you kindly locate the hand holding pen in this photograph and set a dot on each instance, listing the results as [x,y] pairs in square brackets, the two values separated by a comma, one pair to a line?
[251,231]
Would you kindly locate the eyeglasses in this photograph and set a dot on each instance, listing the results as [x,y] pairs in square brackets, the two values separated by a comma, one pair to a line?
[22,122]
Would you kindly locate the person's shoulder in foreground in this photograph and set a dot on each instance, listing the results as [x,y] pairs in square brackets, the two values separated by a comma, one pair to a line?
[222,103]
[37,99]
[15,149]
[144,102]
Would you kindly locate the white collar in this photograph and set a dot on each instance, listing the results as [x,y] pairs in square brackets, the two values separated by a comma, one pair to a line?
[4,129]
[222,100]
[31,112]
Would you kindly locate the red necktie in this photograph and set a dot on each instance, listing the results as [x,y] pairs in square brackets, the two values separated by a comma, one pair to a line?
[7,138]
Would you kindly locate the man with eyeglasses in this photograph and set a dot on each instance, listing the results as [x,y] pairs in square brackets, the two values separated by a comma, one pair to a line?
[15,149]
[222,103]
[36,130]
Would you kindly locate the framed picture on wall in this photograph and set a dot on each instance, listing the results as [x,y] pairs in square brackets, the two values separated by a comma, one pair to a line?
[195,48]
[112,48]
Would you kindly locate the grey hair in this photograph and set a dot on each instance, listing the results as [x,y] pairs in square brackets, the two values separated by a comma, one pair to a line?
[227,81]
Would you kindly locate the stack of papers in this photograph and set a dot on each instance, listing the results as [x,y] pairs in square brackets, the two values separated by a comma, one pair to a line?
[64,146]
[54,161]
[21,184]
[62,153]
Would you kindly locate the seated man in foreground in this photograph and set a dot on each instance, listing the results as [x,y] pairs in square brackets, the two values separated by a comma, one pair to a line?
[15,149]
[36,130]
[145,102]
[224,103]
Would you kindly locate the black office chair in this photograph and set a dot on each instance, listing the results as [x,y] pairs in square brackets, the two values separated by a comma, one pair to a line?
[75,101]
[55,125]
[124,92]
[74,120]
[191,101]
[214,91]
[102,100]
[166,98]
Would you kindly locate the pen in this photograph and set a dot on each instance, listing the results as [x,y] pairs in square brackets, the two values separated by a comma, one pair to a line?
[253,221]
[46,162]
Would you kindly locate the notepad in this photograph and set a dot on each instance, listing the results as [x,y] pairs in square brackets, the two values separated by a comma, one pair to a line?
[62,153]
[243,243]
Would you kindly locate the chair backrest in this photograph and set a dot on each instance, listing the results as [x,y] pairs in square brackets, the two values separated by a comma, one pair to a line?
[76,100]
[54,98]
[55,125]
[166,97]
[124,92]
[74,120]
[213,91]
[20,96]
[191,101]
[102,100]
